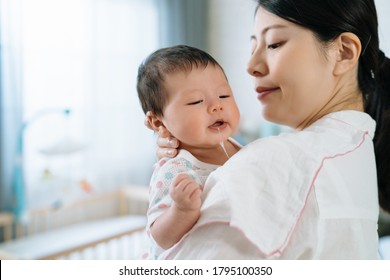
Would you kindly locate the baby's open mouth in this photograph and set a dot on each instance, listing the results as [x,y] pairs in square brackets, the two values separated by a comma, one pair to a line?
[218,123]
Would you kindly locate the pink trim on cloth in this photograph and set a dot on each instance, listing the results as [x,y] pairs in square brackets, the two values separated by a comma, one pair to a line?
[282,247]
[311,187]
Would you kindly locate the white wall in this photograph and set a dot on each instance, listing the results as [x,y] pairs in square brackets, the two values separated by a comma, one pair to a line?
[383,9]
[231,24]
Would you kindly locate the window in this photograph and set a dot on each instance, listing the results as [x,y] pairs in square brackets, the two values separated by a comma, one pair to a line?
[82,55]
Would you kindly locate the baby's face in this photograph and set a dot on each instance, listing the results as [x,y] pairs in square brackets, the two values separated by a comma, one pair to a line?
[201,110]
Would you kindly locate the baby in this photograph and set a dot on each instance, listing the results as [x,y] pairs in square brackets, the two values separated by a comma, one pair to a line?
[184,93]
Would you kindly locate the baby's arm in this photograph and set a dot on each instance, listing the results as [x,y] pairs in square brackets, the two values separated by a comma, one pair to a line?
[171,226]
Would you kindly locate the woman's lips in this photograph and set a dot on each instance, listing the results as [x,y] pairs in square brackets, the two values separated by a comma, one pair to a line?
[262,92]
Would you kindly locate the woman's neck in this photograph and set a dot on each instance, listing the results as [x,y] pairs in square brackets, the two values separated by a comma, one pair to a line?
[347,98]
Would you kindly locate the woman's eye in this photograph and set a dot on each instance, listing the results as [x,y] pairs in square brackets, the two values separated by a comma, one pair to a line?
[274,46]
[195,102]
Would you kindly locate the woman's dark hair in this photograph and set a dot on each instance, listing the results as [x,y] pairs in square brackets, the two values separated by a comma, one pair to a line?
[327,19]
[165,61]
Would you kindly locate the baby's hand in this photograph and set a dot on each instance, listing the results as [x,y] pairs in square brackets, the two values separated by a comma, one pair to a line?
[186,193]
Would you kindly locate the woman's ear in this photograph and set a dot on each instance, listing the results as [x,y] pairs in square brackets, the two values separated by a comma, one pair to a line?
[154,122]
[348,48]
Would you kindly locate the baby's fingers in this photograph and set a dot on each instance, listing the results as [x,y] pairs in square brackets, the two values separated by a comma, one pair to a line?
[184,187]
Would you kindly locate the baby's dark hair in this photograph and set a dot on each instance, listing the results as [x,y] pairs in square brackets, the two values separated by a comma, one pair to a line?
[327,20]
[159,64]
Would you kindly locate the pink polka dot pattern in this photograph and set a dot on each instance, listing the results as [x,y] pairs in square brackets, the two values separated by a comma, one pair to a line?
[159,184]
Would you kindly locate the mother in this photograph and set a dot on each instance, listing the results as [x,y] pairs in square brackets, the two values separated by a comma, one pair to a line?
[312,193]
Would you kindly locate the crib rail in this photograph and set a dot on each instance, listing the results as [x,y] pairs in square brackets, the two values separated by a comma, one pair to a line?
[126,247]
[107,226]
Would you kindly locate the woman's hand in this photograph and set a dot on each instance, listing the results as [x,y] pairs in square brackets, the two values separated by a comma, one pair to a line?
[167,144]
[167,147]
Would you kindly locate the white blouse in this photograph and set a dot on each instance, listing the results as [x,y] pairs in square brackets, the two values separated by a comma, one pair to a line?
[310,194]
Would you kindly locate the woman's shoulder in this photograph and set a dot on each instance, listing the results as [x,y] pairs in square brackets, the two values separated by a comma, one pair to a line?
[270,147]
[334,133]
[274,176]
[269,176]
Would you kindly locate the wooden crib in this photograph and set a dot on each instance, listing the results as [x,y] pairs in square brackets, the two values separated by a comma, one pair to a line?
[105,226]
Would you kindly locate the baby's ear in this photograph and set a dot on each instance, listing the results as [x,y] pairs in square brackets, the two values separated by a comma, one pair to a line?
[153,121]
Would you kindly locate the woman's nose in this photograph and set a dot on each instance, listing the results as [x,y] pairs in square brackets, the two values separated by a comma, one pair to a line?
[257,66]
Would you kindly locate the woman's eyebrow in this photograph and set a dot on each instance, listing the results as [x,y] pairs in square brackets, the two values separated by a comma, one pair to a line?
[266,29]
[275,26]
